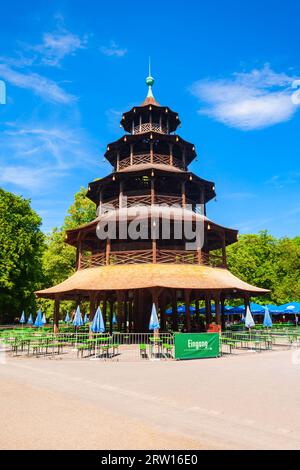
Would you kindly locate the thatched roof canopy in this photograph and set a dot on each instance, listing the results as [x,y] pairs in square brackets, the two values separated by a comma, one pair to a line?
[127,277]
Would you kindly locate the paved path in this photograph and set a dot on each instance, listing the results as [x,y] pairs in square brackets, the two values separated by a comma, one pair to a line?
[243,402]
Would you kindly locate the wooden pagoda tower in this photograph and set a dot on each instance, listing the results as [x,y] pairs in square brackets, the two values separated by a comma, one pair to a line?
[150,183]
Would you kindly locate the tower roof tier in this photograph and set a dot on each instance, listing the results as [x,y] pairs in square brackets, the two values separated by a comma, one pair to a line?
[166,181]
[139,118]
[140,143]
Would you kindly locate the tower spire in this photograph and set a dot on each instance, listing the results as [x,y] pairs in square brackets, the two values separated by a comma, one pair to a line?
[150,82]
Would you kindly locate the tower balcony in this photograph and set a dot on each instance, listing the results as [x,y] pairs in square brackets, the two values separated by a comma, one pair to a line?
[148,200]
[150,256]
[150,126]
[156,158]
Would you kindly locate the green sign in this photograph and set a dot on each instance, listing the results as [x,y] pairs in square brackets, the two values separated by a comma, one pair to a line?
[196,345]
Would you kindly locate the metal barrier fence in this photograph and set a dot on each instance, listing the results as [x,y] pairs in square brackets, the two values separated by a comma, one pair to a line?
[115,347]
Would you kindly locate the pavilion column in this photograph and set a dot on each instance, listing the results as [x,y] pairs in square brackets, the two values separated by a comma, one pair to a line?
[131,154]
[152,191]
[100,207]
[125,314]
[140,125]
[183,195]
[162,307]
[207,310]
[217,308]
[130,316]
[160,123]
[187,294]
[118,161]
[92,307]
[119,310]
[246,302]
[151,152]
[171,153]
[197,312]
[223,312]
[174,310]
[104,307]
[111,313]
[121,190]
[56,315]
[107,250]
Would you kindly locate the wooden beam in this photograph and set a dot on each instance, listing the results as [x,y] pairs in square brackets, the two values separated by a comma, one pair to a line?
[187,294]
[56,315]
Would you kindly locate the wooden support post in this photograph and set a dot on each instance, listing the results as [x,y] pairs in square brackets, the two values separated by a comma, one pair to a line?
[183,159]
[56,315]
[217,308]
[100,202]
[171,153]
[131,154]
[207,311]
[197,312]
[130,316]
[121,189]
[183,196]
[104,308]
[118,161]
[187,294]
[152,191]
[174,311]
[108,247]
[223,323]
[111,313]
[151,152]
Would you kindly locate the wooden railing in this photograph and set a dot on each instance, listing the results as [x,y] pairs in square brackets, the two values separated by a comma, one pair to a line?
[145,199]
[144,158]
[146,256]
[148,127]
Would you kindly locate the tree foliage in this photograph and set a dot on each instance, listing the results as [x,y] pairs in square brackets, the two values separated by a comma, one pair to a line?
[268,262]
[21,250]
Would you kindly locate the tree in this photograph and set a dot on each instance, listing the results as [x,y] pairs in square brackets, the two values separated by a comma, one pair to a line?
[59,260]
[21,249]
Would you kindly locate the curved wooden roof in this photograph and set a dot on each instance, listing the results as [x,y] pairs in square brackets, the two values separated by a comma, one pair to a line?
[124,277]
[150,102]
[146,170]
[113,147]
[153,211]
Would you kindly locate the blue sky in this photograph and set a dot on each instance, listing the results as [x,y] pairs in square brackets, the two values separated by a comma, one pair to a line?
[72,67]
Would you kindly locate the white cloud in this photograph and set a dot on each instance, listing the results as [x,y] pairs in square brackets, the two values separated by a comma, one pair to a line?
[35,158]
[113,50]
[248,101]
[56,46]
[41,86]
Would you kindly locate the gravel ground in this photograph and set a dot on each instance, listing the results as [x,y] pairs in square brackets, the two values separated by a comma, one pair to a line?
[249,401]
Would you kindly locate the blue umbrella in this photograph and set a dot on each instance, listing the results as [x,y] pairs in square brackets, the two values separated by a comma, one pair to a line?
[274,309]
[249,322]
[98,322]
[256,309]
[23,319]
[114,319]
[39,320]
[67,317]
[30,320]
[77,322]
[290,307]
[154,323]
[86,319]
[181,310]
[267,319]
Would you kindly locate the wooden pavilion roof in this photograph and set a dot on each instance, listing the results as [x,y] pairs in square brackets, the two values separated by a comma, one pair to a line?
[142,276]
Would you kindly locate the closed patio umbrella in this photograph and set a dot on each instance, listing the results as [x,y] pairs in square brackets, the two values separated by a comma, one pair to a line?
[23,319]
[67,317]
[249,322]
[267,319]
[98,322]
[39,320]
[154,323]
[30,320]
